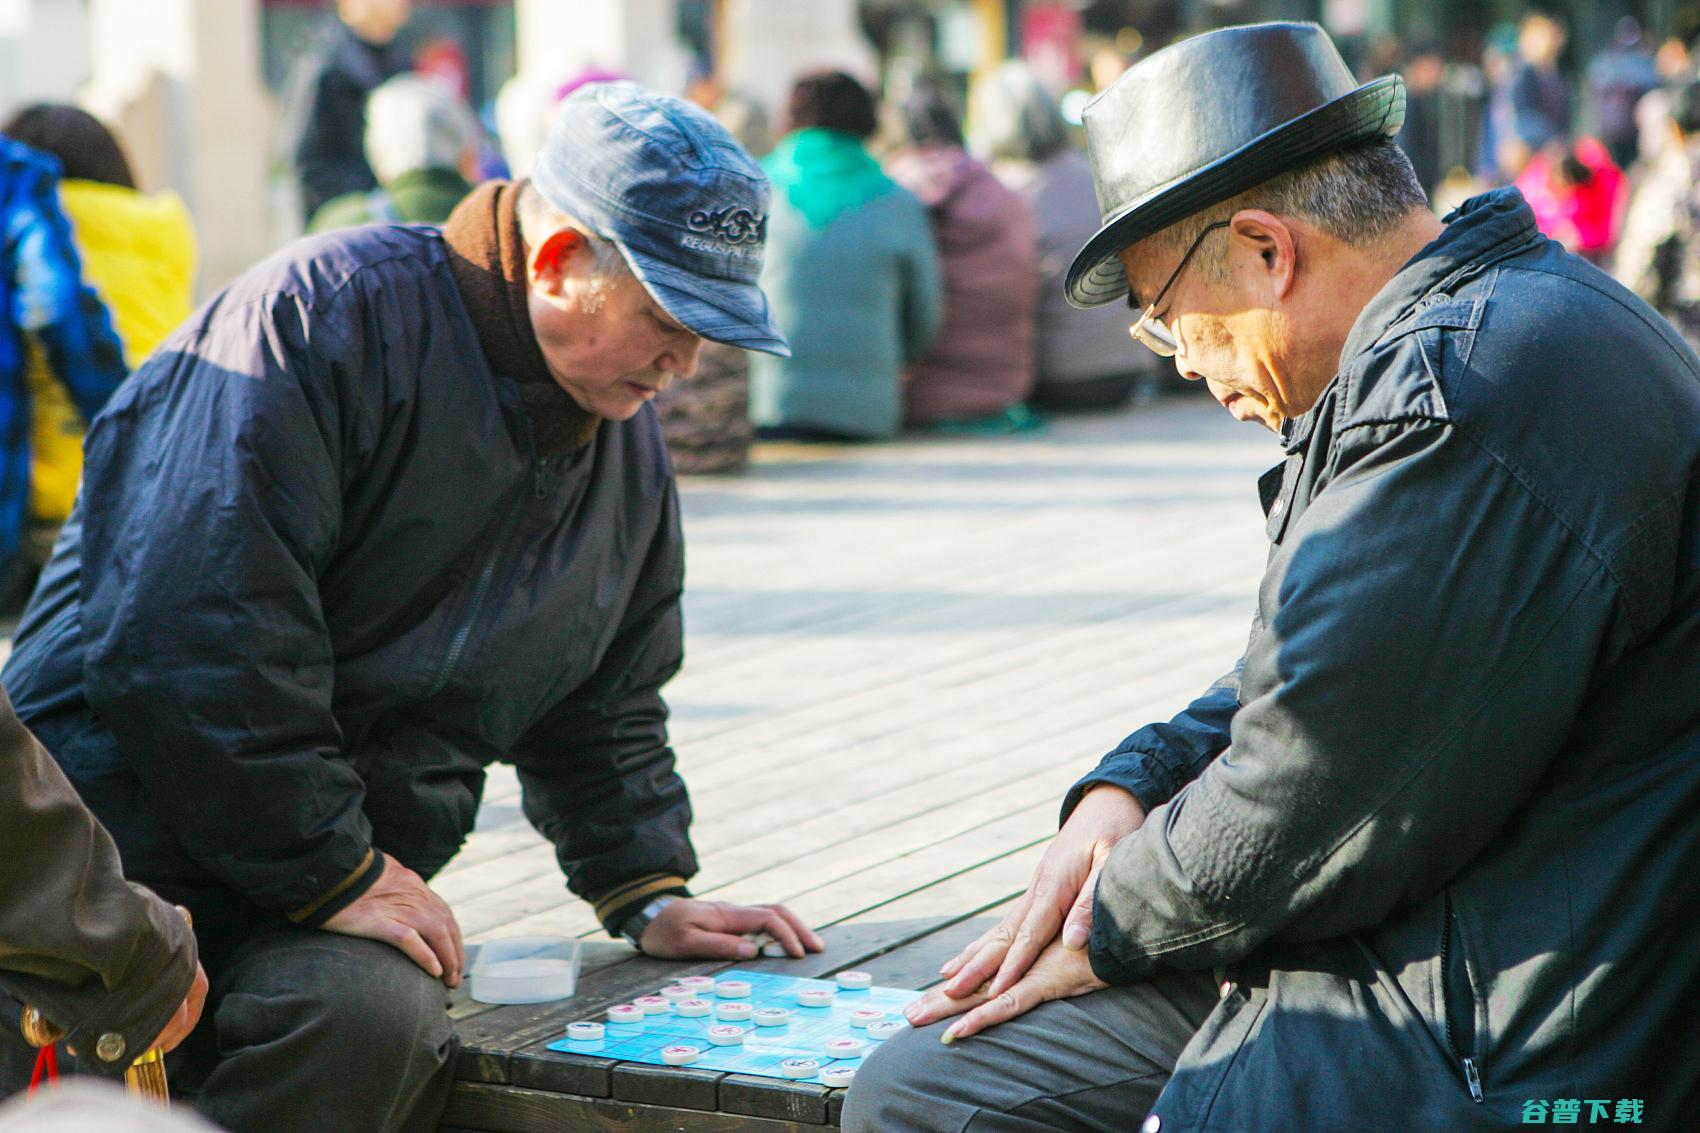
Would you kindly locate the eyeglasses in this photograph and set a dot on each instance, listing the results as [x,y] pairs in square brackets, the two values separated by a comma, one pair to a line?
[1152,331]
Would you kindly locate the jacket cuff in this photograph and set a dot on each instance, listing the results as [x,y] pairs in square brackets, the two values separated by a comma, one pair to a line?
[616,906]
[341,895]
[1129,770]
[124,1018]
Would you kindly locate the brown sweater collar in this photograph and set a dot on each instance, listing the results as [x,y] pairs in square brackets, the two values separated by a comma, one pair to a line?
[487,256]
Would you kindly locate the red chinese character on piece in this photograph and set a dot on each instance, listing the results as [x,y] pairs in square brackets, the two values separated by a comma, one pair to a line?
[1598,1110]
[1628,1111]
[1566,1111]
[1535,1112]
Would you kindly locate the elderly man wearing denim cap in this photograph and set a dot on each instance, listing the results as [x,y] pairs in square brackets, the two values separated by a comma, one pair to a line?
[393,507]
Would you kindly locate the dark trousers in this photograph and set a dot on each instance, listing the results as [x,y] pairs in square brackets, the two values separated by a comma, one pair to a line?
[307,1030]
[1095,1063]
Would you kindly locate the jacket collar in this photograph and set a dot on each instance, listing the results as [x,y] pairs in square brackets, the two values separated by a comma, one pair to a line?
[1482,230]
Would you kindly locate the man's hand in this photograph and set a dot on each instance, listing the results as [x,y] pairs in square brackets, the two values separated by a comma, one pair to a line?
[1063,886]
[400,910]
[1058,973]
[714,930]
[188,1014]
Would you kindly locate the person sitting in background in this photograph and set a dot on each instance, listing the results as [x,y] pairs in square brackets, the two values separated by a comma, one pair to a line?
[1083,360]
[1577,195]
[42,299]
[327,94]
[1658,256]
[422,143]
[138,252]
[850,270]
[980,369]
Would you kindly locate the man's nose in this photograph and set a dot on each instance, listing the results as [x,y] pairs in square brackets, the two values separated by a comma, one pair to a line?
[682,356]
[1185,370]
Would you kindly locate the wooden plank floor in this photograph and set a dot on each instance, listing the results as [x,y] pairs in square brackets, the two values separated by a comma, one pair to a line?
[899,656]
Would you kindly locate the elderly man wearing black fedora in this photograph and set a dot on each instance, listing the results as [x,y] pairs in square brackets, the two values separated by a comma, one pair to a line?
[1425,860]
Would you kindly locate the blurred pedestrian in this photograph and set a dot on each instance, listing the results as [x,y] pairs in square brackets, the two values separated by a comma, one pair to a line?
[1421,135]
[1659,254]
[138,253]
[1496,144]
[1085,359]
[422,143]
[326,99]
[851,271]
[980,369]
[106,962]
[43,300]
[1540,96]
[1618,77]
[1576,193]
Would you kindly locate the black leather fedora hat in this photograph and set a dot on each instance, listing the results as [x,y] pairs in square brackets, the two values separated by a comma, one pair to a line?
[1210,117]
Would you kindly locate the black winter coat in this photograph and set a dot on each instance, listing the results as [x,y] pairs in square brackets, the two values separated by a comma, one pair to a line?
[318,579]
[1442,827]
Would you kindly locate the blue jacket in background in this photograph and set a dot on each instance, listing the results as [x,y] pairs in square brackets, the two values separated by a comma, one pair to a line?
[42,295]
[853,279]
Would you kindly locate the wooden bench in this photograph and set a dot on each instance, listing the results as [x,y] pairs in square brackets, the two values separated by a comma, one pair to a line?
[898,659]
[510,1082]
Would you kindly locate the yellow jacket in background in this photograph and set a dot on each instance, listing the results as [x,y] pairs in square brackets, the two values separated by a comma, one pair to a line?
[138,253]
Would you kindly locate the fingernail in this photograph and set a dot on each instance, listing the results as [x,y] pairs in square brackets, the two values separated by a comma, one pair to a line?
[948,1037]
[1075,937]
[746,950]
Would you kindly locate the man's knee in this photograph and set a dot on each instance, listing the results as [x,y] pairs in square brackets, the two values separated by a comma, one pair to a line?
[348,997]
[909,1083]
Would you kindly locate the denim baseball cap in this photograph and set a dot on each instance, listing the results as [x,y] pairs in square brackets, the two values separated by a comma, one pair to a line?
[671,188]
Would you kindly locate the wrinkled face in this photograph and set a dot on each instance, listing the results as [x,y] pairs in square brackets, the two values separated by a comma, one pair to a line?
[607,343]
[1223,337]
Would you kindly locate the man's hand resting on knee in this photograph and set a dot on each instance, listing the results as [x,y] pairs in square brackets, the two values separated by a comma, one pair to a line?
[714,930]
[400,910]
[1060,899]
[1057,973]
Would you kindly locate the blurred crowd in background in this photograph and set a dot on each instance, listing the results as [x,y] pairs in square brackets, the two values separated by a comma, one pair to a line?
[920,224]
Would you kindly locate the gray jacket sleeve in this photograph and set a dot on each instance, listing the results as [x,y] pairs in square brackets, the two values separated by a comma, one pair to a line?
[597,773]
[96,954]
[1430,631]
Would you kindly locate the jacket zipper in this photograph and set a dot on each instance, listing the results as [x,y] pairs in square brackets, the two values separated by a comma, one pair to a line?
[1472,1073]
[484,579]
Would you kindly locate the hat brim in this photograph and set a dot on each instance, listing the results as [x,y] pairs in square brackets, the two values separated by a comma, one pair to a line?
[1374,110]
[719,310]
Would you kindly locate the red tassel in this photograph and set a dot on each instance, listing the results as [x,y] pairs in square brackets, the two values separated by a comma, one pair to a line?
[46,1067]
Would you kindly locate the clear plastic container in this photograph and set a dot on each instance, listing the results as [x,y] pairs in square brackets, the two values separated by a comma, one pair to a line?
[525,969]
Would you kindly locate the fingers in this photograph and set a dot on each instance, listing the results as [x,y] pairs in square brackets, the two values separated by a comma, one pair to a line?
[187,1015]
[784,932]
[415,948]
[701,943]
[810,939]
[998,1009]
[1037,930]
[955,963]
[442,936]
[1077,930]
[987,956]
[938,1004]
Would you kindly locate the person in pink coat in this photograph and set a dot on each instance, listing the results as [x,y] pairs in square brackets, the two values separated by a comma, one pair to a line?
[981,366]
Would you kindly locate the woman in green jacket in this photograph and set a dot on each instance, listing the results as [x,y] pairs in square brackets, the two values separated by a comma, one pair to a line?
[850,270]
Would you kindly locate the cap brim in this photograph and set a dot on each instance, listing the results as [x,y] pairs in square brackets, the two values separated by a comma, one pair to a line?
[1374,110]
[719,310]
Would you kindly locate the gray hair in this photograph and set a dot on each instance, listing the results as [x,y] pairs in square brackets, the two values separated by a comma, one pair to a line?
[538,220]
[1012,117]
[415,123]
[1356,196]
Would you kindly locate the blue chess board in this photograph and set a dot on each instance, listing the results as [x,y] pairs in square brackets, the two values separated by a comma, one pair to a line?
[763,1048]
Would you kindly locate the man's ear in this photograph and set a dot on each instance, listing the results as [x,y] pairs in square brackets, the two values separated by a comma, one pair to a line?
[552,260]
[1271,240]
